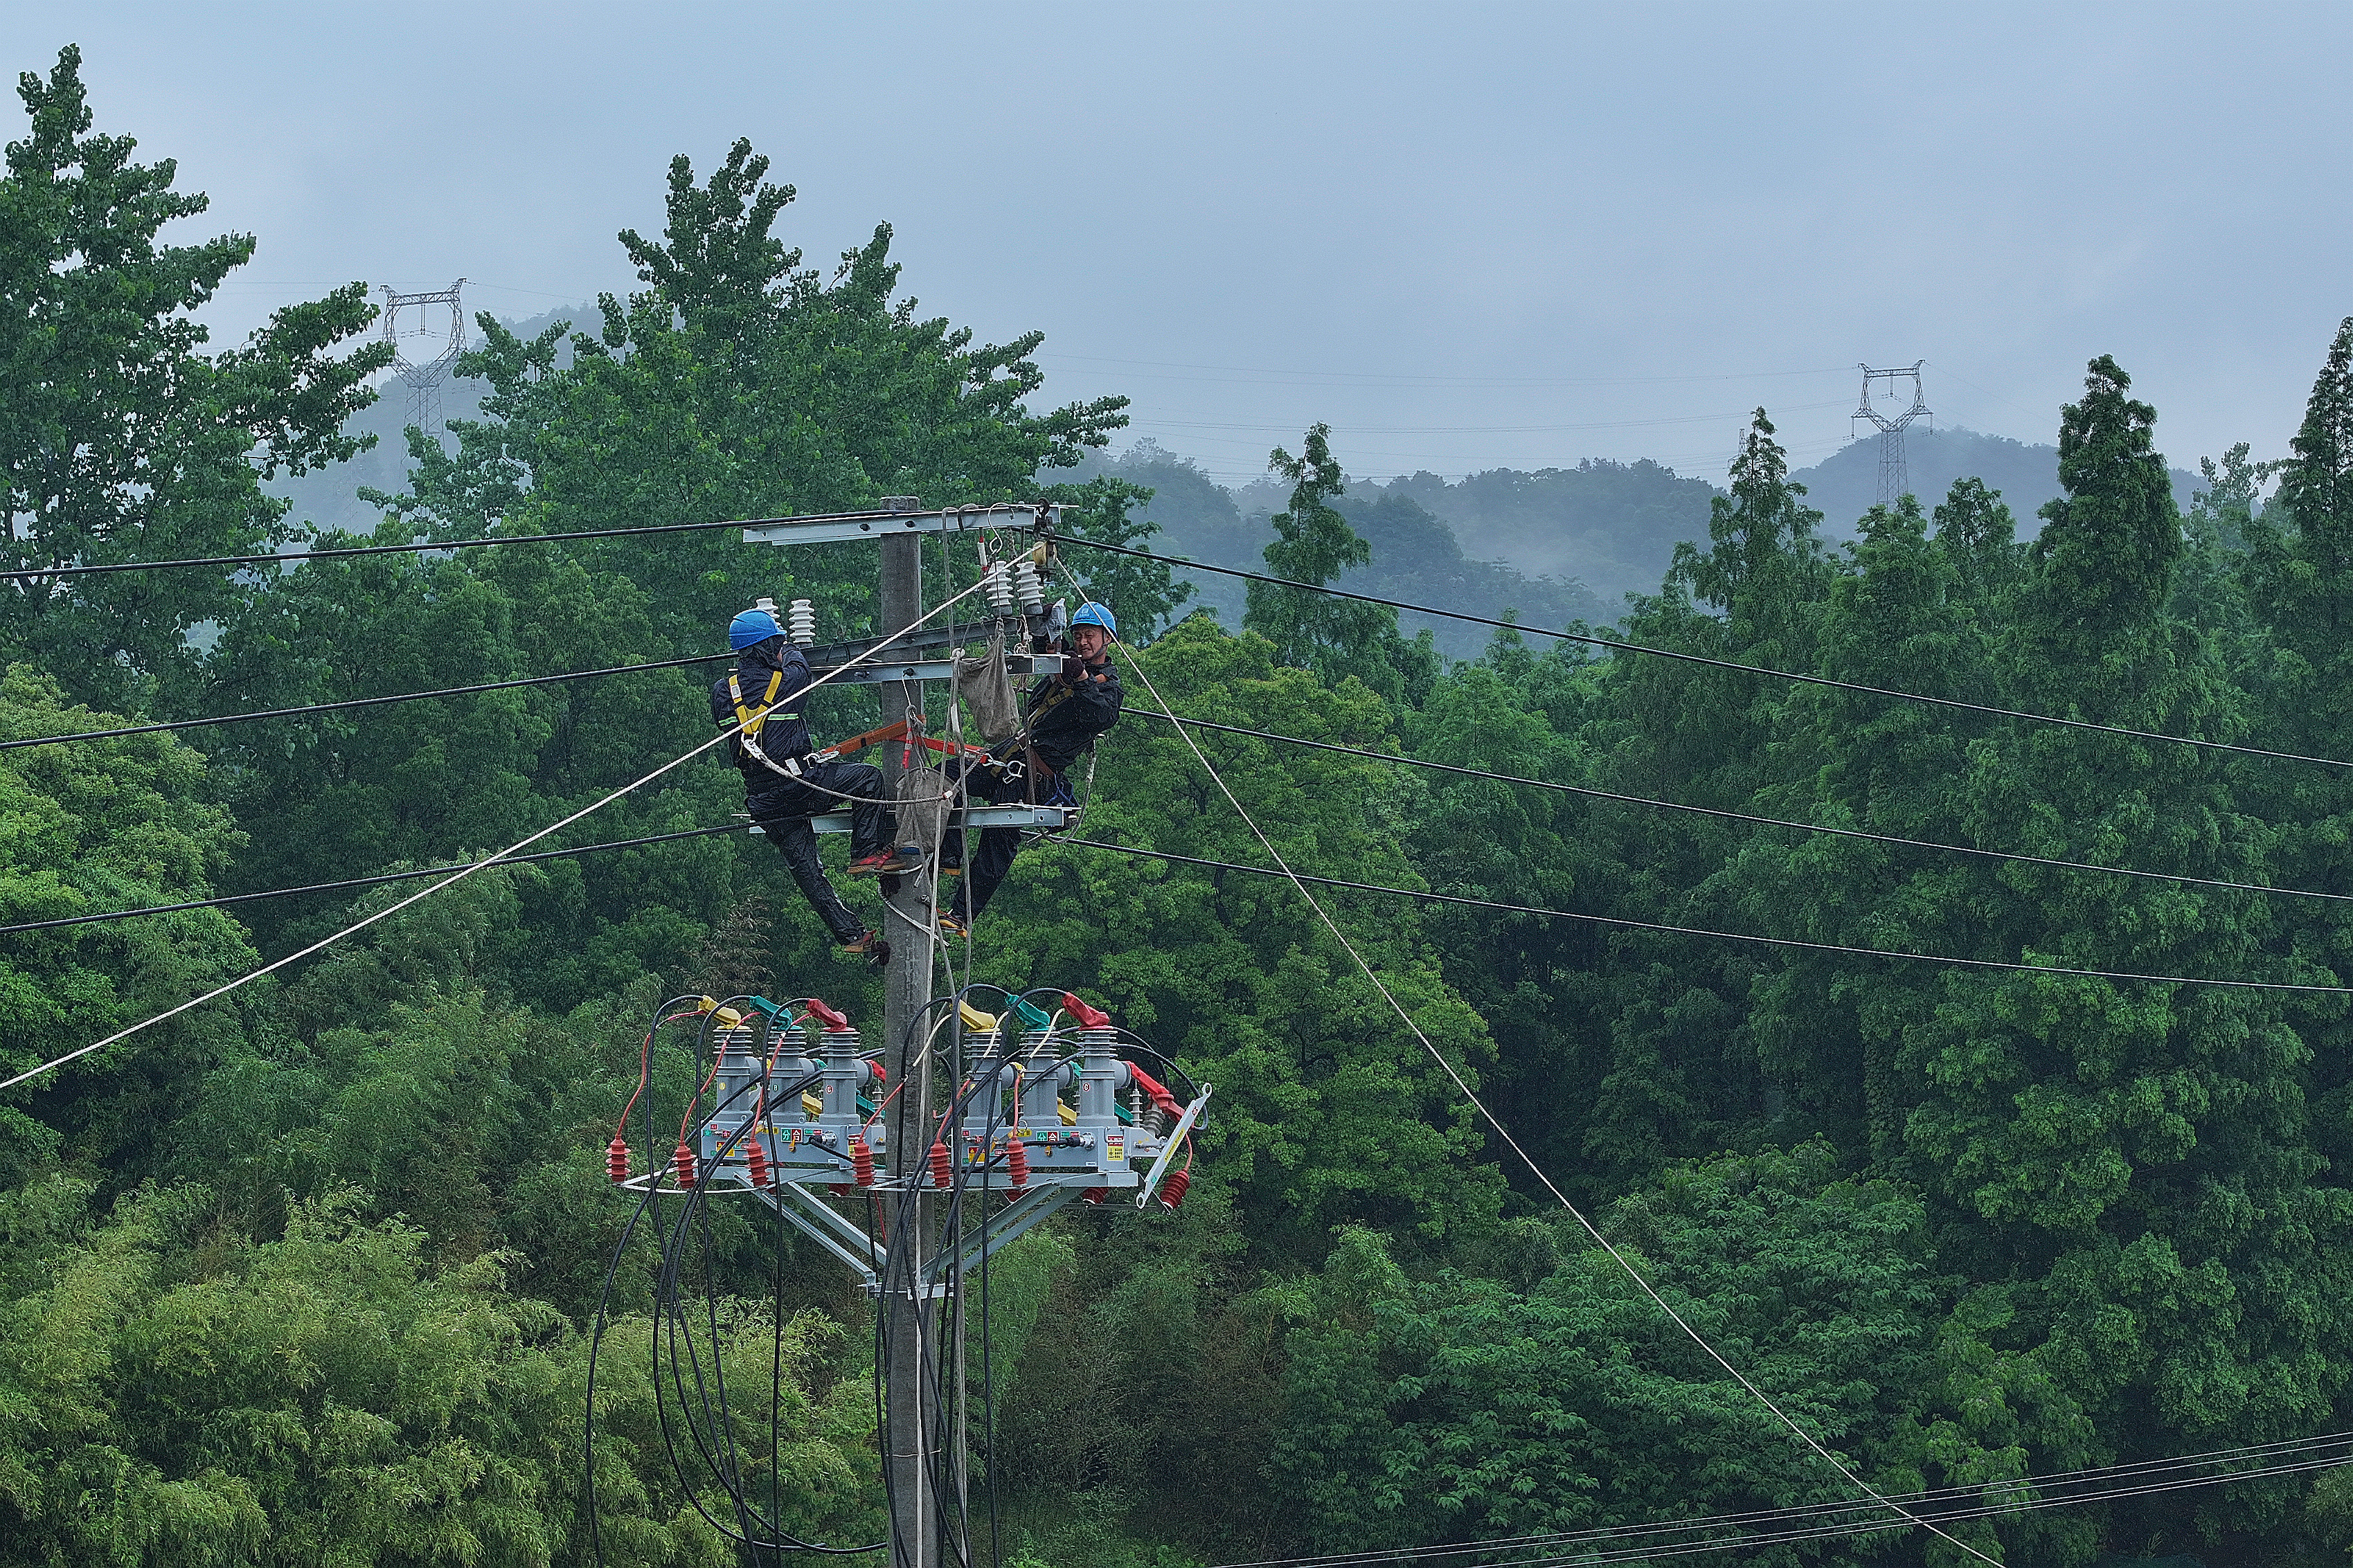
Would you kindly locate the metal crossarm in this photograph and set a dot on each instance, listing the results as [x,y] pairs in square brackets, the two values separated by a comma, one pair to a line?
[894,523]
[810,1214]
[1050,818]
[1004,1226]
[1016,665]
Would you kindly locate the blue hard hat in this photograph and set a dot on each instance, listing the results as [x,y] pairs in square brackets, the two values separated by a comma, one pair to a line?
[1094,615]
[752,626]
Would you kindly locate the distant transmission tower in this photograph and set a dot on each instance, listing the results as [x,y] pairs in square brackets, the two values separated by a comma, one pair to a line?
[1893,481]
[423,356]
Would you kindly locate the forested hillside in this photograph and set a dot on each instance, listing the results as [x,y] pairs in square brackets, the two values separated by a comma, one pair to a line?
[1976,1083]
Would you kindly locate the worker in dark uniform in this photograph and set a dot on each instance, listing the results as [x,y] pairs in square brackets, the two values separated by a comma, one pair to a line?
[1060,719]
[784,786]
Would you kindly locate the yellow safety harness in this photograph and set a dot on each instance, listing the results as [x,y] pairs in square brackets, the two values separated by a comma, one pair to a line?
[753,722]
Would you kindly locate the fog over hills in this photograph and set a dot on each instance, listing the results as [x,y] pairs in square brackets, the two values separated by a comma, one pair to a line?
[1547,546]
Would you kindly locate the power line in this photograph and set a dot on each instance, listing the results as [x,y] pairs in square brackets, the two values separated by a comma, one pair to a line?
[1479,1106]
[1889,838]
[1617,645]
[353,702]
[554,827]
[350,882]
[1786,942]
[2288,1456]
[43,574]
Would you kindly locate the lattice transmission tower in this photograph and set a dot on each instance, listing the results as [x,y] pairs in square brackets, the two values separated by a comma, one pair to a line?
[423,354]
[1893,478]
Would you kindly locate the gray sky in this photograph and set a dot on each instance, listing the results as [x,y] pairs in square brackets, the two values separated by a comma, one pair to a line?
[1467,236]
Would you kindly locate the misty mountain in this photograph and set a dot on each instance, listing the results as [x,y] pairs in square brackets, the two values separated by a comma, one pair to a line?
[330,498]
[1417,555]
[1609,526]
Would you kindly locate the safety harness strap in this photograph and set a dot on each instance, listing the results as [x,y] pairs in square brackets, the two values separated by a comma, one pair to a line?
[752,723]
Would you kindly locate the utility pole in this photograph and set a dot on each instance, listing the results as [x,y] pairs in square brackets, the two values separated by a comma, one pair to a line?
[1894,480]
[1009,1178]
[906,994]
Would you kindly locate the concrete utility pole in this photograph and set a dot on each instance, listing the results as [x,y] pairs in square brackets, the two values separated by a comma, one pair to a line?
[912,1275]
[906,993]
[1895,478]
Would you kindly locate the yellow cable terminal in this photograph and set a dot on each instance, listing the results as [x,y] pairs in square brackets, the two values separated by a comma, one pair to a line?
[975,1020]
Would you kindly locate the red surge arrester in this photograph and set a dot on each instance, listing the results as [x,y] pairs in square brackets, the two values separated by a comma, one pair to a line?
[861,1162]
[1172,1191]
[683,1161]
[616,1159]
[941,1171]
[1161,1098]
[1017,1164]
[759,1162]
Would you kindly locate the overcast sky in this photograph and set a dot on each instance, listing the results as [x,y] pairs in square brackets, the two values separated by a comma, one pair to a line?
[1466,236]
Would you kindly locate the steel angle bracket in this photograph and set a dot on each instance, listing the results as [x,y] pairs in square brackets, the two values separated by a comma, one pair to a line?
[808,1213]
[1169,1150]
[1004,1226]
[882,524]
[1020,664]
[1052,818]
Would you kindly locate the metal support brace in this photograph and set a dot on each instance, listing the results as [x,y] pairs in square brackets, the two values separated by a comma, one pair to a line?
[883,524]
[1168,1150]
[808,1213]
[1052,818]
[1018,664]
[1004,1226]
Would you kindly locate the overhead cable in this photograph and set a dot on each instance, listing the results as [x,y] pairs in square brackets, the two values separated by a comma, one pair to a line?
[1462,1085]
[350,882]
[594,806]
[2291,1454]
[349,551]
[1617,645]
[2216,882]
[1784,941]
[342,704]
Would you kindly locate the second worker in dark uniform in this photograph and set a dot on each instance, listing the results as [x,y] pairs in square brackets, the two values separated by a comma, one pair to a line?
[1061,717]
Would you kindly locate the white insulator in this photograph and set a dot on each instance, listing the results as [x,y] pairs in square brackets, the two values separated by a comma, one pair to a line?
[1027,588]
[999,589]
[800,623]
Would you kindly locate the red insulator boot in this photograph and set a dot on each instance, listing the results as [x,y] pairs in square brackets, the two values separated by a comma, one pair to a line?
[759,1161]
[840,1189]
[941,1171]
[1093,1196]
[862,1162]
[682,1163]
[1172,1191]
